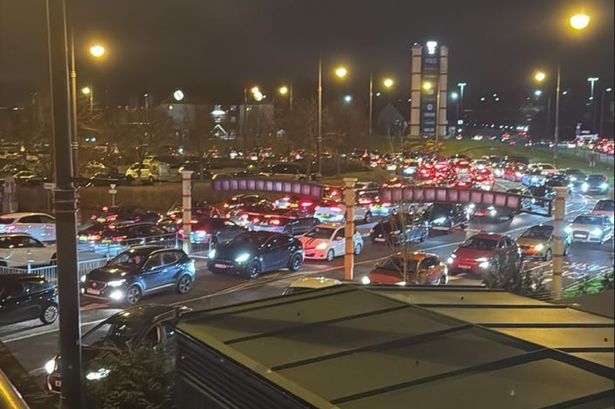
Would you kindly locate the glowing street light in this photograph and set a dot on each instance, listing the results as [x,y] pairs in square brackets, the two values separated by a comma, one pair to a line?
[178,95]
[348,99]
[454,96]
[388,82]
[283,90]
[255,90]
[341,72]
[86,90]
[580,21]
[538,93]
[540,76]
[97,51]
[427,86]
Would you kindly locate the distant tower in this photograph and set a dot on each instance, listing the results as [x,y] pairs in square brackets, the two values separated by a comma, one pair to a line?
[429,90]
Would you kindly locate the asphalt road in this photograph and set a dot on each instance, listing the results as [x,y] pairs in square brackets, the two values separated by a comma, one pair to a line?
[34,344]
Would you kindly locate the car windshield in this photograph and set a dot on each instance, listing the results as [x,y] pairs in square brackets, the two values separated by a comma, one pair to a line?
[320,233]
[596,179]
[395,264]
[128,259]
[588,220]
[476,243]
[116,333]
[538,232]
[605,205]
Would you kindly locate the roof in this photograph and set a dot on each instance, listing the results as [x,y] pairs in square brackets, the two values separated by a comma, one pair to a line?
[493,236]
[353,347]
[416,255]
[22,214]
[315,282]
[21,277]
[145,250]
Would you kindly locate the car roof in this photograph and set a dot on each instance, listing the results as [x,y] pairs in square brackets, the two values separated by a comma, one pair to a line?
[16,235]
[416,255]
[489,236]
[315,282]
[23,214]
[146,250]
[21,277]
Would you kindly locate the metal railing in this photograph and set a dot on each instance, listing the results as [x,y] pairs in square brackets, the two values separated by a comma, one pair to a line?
[51,272]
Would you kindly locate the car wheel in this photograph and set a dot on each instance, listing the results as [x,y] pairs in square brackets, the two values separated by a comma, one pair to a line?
[330,255]
[443,279]
[549,255]
[133,295]
[295,263]
[358,249]
[368,217]
[255,269]
[184,284]
[49,314]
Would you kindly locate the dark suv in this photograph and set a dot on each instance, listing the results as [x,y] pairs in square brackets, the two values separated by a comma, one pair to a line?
[26,297]
[139,271]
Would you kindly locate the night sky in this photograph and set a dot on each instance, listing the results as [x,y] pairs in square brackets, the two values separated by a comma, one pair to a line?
[212,49]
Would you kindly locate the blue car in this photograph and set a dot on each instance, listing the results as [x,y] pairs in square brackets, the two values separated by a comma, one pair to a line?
[533,178]
[140,271]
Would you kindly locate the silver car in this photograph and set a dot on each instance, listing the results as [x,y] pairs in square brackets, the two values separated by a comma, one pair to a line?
[591,229]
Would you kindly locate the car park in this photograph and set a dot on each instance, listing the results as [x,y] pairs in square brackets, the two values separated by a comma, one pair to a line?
[151,326]
[590,229]
[23,250]
[41,226]
[140,271]
[596,185]
[25,297]
[486,253]
[537,242]
[254,253]
[328,241]
[411,268]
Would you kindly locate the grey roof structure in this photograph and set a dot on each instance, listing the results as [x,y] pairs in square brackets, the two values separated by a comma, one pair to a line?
[356,347]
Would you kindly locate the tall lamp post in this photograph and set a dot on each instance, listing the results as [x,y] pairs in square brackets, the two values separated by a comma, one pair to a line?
[592,89]
[387,83]
[341,73]
[604,92]
[287,91]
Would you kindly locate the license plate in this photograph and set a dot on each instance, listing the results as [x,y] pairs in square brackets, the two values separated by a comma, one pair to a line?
[581,236]
[92,291]
[58,384]
[380,239]
[220,266]
[464,266]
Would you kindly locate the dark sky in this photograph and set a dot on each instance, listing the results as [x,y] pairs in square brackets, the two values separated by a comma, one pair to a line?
[213,48]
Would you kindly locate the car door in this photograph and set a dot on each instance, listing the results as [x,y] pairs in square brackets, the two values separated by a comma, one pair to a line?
[30,225]
[503,252]
[170,267]
[14,303]
[37,251]
[339,242]
[154,272]
[273,254]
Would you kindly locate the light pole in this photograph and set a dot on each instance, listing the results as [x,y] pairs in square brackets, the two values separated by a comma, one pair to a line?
[341,73]
[592,86]
[287,90]
[604,92]
[387,83]
[462,86]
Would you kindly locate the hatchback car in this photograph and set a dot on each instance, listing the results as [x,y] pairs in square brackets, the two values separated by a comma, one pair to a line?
[327,241]
[254,253]
[420,269]
[144,325]
[591,229]
[537,242]
[21,250]
[25,297]
[484,253]
[138,272]
[41,226]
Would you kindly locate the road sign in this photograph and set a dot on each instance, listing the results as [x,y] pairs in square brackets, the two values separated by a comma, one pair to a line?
[112,192]
[49,186]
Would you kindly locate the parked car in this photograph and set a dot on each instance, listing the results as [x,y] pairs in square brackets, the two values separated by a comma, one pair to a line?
[537,242]
[254,253]
[596,185]
[305,284]
[25,297]
[41,226]
[591,229]
[21,250]
[604,208]
[139,326]
[484,253]
[420,269]
[140,271]
[399,229]
[327,241]
[445,216]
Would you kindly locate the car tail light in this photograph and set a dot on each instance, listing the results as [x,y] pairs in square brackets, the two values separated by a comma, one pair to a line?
[111,218]
[226,205]
[275,222]
[105,209]
[306,204]
[119,239]
[201,232]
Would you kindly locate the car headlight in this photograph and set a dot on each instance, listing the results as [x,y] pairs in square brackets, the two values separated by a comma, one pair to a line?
[365,280]
[573,179]
[50,366]
[242,258]
[116,283]
[483,263]
[450,260]
[212,254]
[97,375]
[597,232]
[83,278]
[604,186]
[321,246]
[568,229]
[539,247]
[493,212]
[585,187]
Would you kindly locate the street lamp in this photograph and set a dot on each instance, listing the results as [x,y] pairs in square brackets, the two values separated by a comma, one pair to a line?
[460,109]
[283,90]
[286,90]
[580,21]
[538,93]
[540,76]
[592,81]
[348,99]
[97,50]
[427,85]
[388,83]
[86,91]
[340,72]
[604,92]
[454,96]
[89,93]
[178,95]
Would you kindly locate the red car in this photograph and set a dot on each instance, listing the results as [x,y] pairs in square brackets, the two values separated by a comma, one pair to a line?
[302,205]
[421,269]
[485,253]
[514,171]
[483,179]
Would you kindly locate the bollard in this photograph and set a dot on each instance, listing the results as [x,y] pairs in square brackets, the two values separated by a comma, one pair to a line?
[349,201]
[559,213]
[187,208]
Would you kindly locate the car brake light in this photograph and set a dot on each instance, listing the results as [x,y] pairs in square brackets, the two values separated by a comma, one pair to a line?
[105,209]
[306,204]
[111,218]
[94,217]
[119,239]
[275,222]
[201,232]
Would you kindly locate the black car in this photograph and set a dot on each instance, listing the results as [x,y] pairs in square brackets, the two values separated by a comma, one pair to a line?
[26,297]
[140,271]
[446,216]
[214,230]
[241,201]
[110,214]
[129,233]
[596,185]
[104,179]
[575,176]
[399,229]
[491,213]
[254,253]
[542,195]
[143,325]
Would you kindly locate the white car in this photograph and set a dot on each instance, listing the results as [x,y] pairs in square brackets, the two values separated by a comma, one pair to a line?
[605,208]
[20,249]
[41,226]
[336,213]
[327,241]
[544,168]
[311,283]
[590,229]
